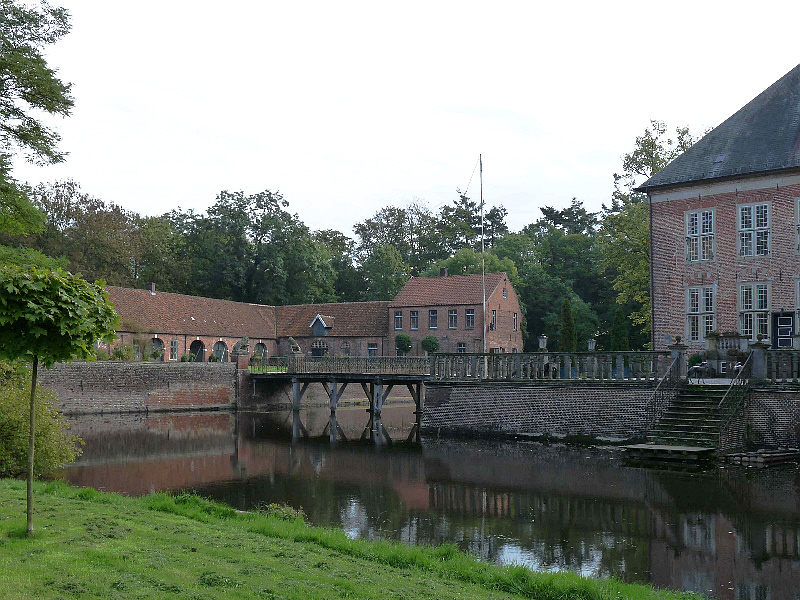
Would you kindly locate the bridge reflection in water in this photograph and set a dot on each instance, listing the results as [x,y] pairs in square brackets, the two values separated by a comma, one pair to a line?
[730,533]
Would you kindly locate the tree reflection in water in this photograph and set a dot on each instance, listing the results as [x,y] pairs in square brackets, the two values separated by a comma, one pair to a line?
[731,533]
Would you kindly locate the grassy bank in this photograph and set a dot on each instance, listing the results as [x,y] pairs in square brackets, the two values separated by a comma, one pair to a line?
[90,544]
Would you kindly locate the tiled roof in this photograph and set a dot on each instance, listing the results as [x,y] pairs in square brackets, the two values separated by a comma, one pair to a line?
[349,318]
[448,290]
[191,315]
[761,137]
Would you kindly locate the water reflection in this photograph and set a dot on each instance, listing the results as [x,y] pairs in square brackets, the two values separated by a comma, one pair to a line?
[732,533]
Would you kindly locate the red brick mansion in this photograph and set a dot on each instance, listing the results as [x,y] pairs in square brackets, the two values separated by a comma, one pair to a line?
[449,308]
[725,228]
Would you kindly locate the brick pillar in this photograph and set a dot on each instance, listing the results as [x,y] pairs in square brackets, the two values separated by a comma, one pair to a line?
[242,359]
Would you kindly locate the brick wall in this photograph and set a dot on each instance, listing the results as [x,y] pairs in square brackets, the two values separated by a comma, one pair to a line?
[773,418]
[504,336]
[673,274]
[603,411]
[111,386]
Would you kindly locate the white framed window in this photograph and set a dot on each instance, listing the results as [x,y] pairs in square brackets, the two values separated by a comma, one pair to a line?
[515,322]
[469,318]
[414,318]
[754,299]
[700,227]
[753,227]
[505,292]
[433,319]
[173,350]
[493,322]
[797,225]
[372,350]
[462,348]
[701,309]
[452,318]
[398,319]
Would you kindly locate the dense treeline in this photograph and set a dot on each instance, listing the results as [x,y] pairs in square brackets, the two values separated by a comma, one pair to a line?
[250,248]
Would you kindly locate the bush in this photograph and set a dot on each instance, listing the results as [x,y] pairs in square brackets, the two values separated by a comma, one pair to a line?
[54,446]
[430,344]
[187,357]
[403,342]
[102,354]
[122,352]
[695,359]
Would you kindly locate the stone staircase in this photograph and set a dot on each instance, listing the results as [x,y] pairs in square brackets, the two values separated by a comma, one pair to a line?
[692,419]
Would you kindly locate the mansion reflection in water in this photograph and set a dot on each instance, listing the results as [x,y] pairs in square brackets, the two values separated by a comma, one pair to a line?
[731,533]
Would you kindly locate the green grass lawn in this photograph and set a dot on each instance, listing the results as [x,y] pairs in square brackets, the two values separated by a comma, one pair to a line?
[90,544]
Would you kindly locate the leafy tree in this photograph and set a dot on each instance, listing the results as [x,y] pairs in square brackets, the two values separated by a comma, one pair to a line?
[568,335]
[468,262]
[430,343]
[619,331]
[625,231]
[411,230]
[349,283]
[29,88]
[494,226]
[385,273]
[403,343]
[571,220]
[49,316]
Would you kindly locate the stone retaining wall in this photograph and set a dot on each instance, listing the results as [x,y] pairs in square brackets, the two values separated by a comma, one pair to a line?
[111,386]
[773,418]
[607,411]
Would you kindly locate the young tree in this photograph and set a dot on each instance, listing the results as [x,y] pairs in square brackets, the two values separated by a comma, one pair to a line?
[430,344]
[46,317]
[403,343]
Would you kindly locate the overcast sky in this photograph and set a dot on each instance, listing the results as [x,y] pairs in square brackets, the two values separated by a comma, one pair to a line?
[346,107]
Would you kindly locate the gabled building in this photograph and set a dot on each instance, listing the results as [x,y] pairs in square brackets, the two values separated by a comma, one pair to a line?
[725,228]
[340,329]
[450,308]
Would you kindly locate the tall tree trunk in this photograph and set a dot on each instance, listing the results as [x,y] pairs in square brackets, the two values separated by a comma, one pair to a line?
[29,530]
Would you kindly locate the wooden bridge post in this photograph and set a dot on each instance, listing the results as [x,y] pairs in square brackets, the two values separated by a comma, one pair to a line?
[297,394]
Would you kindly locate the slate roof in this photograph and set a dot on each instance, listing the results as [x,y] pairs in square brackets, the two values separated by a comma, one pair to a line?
[350,319]
[447,291]
[761,137]
[191,315]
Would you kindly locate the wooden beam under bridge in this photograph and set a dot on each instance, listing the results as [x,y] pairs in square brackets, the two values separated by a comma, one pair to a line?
[377,389]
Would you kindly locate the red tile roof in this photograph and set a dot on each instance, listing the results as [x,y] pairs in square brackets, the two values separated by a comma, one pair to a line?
[356,319]
[447,290]
[191,315]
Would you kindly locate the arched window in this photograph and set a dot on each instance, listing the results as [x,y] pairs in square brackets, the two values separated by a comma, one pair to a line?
[345,348]
[319,348]
[197,350]
[260,350]
[220,350]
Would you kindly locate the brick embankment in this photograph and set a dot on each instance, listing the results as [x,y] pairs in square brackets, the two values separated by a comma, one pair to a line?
[606,411]
[773,417]
[110,386]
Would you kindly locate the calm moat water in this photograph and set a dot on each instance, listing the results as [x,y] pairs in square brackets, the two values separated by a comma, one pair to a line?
[731,533]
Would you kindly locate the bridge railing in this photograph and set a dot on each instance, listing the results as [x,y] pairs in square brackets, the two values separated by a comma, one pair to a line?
[385,365]
[598,366]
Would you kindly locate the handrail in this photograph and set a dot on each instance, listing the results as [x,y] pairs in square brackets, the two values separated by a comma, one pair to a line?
[732,400]
[671,379]
[740,378]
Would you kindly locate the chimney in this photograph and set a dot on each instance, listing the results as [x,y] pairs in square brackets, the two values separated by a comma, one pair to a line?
[443,272]
[150,287]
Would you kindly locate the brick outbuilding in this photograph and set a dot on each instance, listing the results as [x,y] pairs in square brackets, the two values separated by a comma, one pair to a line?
[725,228]
[450,308]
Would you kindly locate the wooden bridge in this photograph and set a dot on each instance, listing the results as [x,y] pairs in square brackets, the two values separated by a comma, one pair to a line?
[378,376]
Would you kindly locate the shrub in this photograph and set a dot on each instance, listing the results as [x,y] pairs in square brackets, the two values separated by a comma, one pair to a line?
[403,342]
[187,358]
[430,344]
[102,354]
[54,445]
[695,359]
[122,352]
